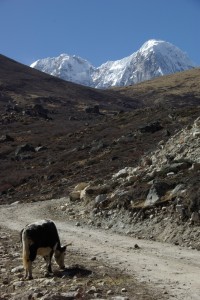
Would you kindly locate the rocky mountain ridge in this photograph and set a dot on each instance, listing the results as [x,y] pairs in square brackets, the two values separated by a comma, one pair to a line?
[155,58]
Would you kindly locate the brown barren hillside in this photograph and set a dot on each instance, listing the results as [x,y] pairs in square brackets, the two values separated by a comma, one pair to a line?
[179,89]
[26,86]
[54,134]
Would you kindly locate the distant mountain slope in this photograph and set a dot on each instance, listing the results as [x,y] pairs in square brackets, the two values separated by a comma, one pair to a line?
[32,85]
[155,58]
[51,137]
[178,89]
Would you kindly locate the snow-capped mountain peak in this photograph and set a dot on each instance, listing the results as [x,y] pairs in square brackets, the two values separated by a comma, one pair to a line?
[68,67]
[155,58]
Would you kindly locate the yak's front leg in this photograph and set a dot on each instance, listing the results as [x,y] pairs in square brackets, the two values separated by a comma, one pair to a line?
[47,259]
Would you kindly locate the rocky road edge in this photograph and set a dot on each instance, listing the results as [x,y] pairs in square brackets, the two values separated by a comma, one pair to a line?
[158,270]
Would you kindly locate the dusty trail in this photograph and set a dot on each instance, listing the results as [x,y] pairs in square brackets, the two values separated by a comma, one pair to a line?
[167,268]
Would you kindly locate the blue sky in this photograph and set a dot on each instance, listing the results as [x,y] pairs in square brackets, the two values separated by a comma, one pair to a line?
[97,30]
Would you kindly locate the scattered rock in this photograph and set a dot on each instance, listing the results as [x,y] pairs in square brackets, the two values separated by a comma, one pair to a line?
[17,269]
[61,296]
[24,149]
[40,148]
[151,128]
[81,186]
[136,246]
[156,191]
[109,292]
[74,196]
[6,138]
[120,298]
[100,199]
[92,110]
[195,219]
[92,290]
[18,283]
[93,258]
[15,203]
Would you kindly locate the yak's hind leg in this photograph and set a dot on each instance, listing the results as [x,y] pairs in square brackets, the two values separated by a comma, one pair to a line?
[27,263]
[29,270]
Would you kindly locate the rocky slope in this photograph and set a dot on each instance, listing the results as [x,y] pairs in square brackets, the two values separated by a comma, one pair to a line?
[158,198]
[155,58]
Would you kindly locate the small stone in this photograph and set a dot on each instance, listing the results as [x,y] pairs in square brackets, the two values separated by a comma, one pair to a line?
[37,295]
[123,290]
[165,292]
[15,203]
[69,295]
[63,207]
[92,290]
[14,255]
[3,270]
[195,218]
[18,283]
[170,174]
[164,208]
[93,258]
[17,269]
[120,298]
[5,281]
[74,196]
[110,292]
[136,246]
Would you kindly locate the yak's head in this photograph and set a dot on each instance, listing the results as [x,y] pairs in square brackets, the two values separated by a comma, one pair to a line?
[60,256]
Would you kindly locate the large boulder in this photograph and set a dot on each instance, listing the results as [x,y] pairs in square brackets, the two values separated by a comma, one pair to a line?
[91,191]
[74,196]
[156,191]
[23,152]
[24,148]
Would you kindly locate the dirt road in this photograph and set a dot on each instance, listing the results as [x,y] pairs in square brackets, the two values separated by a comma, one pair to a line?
[173,270]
